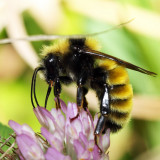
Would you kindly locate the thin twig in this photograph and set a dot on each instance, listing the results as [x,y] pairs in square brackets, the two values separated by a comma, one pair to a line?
[7,140]
[54,37]
[1,151]
[5,153]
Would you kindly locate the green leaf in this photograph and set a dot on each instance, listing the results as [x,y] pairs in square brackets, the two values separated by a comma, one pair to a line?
[5,132]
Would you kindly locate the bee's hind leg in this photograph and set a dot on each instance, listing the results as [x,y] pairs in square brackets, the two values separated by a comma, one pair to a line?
[99,129]
[104,110]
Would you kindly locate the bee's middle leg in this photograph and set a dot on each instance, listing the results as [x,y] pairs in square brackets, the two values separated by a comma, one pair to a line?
[81,99]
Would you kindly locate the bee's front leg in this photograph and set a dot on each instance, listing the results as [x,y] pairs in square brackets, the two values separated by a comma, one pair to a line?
[57,91]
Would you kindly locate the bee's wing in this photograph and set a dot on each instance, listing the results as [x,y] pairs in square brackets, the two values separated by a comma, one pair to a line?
[100,55]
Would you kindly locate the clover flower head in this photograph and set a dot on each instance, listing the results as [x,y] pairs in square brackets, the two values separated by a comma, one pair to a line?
[64,135]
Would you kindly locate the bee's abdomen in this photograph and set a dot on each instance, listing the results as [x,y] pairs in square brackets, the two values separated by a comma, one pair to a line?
[120,98]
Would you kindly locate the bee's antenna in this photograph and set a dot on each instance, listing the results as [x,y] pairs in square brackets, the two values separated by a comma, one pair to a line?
[34,84]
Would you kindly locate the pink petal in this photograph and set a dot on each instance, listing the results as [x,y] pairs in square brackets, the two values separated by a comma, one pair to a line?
[83,139]
[91,145]
[78,147]
[15,126]
[55,112]
[81,152]
[86,155]
[72,110]
[59,118]
[95,120]
[29,148]
[22,129]
[95,153]
[77,125]
[53,154]
[53,140]
[45,118]
[104,157]
[63,106]
[86,126]
[71,133]
[91,119]
[83,114]
[104,141]
[72,129]
[90,116]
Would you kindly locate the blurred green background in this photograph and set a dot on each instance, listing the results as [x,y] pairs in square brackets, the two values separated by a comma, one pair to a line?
[137,42]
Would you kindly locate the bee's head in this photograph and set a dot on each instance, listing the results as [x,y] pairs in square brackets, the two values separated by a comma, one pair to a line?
[51,65]
[50,68]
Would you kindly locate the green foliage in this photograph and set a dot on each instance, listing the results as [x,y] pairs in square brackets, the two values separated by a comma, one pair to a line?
[3,33]
[33,29]
[127,156]
[73,23]
[142,3]
[5,132]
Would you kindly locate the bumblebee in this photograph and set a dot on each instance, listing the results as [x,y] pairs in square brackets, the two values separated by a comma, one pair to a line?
[78,60]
